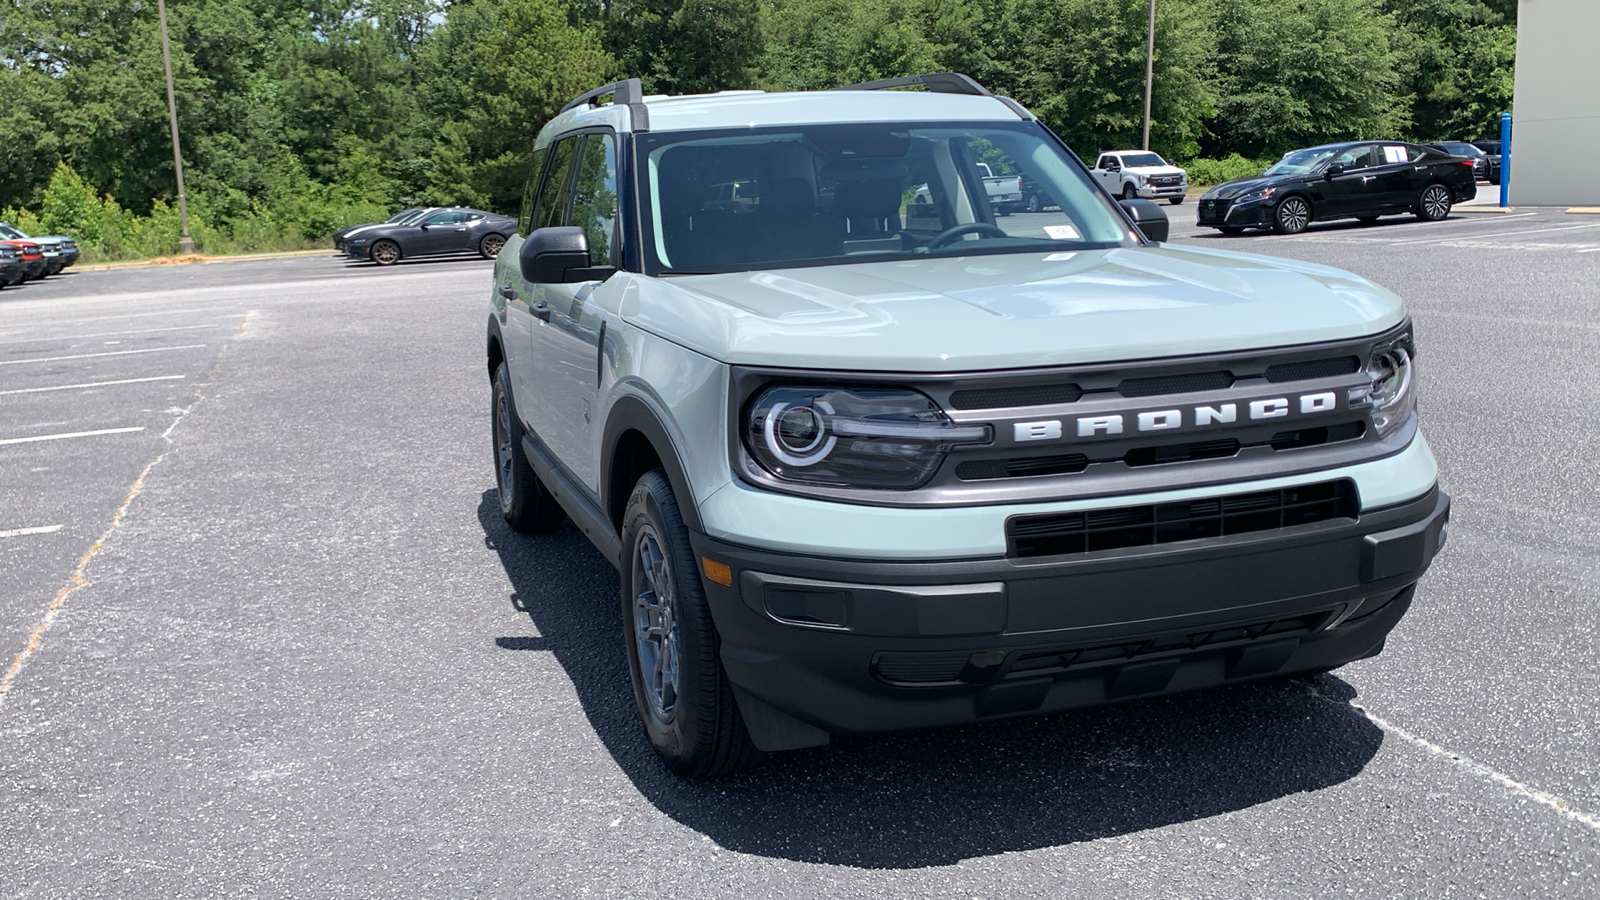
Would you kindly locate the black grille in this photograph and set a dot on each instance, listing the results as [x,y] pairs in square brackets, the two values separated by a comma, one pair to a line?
[1045,661]
[920,668]
[1165,523]
[1171,453]
[1313,368]
[1175,384]
[1314,437]
[1214,209]
[1058,464]
[1001,398]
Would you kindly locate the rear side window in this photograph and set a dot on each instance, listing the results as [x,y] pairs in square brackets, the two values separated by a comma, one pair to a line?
[594,197]
[552,205]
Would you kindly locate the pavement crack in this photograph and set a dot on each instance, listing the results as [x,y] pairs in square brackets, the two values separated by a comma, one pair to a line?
[1467,763]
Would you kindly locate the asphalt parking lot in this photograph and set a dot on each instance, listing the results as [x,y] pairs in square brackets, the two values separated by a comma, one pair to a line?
[271,637]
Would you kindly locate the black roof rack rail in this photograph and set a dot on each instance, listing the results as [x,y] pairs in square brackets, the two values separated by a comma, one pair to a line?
[938,83]
[627,92]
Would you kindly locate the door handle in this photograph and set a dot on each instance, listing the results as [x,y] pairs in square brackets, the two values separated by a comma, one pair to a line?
[541,311]
[508,292]
[459,230]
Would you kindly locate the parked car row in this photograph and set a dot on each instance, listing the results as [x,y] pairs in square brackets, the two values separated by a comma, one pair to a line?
[1360,179]
[431,231]
[24,257]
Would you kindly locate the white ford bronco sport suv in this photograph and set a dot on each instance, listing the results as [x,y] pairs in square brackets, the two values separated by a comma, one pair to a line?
[867,460]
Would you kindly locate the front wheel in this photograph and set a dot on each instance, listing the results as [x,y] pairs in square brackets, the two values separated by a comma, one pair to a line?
[1129,192]
[674,657]
[490,246]
[525,503]
[1292,216]
[386,253]
[1434,203]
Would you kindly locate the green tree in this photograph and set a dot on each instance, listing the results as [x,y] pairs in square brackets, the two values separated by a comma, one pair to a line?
[1457,62]
[684,46]
[1299,72]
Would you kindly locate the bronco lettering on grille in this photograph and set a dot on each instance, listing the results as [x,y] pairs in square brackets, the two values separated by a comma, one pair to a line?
[1172,419]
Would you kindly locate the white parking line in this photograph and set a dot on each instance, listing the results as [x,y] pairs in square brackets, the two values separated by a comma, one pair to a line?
[91,384]
[1501,234]
[18,362]
[1591,250]
[37,529]
[107,334]
[70,434]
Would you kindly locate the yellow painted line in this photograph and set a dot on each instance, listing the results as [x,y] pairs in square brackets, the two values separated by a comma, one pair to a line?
[1585,210]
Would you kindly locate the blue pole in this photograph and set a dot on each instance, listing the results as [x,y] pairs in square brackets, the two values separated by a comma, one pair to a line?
[1505,159]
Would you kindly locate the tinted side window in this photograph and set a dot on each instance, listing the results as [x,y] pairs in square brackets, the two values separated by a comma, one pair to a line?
[594,197]
[552,206]
[530,190]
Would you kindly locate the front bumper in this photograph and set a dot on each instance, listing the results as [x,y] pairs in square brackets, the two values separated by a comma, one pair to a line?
[1164,191]
[817,646]
[1231,214]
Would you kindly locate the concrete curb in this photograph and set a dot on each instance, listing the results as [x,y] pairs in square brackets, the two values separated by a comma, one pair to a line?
[198,260]
[1584,210]
[1483,209]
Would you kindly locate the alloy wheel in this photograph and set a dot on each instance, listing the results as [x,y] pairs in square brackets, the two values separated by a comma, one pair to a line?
[1436,202]
[655,625]
[1293,216]
[491,245]
[385,253]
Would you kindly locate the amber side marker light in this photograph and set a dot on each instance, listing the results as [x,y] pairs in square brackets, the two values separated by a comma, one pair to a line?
[721,573]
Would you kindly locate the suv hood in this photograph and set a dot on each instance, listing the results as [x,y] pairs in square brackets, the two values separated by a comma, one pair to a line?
[1010,311]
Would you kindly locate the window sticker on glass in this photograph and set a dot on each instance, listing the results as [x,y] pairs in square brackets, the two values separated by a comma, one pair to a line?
[1061,257]
[1062,232]
[1394,154]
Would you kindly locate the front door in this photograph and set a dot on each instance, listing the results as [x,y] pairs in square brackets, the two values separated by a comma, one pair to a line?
[1355,191]
[567,346]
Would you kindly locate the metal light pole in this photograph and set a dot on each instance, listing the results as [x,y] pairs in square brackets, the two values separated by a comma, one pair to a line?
[1149,72]
[185,243]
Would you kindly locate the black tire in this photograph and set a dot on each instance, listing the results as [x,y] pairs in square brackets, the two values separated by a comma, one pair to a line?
[385,253]
[1292,215]
[1174,201]
[1434,203]
[489,247]
[685,701]
[1002,211]
[1231,230]
[1129,192]
[525,502]
[1495,178]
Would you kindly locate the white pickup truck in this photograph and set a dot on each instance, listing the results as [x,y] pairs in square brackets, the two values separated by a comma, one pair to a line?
[1005,191]
[1139,173]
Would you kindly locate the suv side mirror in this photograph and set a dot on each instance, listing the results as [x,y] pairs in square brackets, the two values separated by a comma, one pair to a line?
[1148,215]
[1335,169]
[558,255]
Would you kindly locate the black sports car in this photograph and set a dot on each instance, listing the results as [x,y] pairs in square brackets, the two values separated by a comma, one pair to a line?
[1361,180]
[342,236]
[440,231]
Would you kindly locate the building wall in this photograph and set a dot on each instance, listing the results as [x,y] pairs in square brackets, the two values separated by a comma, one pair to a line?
[1556,111]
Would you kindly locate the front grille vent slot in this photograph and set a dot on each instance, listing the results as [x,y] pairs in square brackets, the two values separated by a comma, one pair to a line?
[1322,434]
[1007,397]
[1171,453]
[1142,526]
[1175,384]
[1313,368]
[1060,464]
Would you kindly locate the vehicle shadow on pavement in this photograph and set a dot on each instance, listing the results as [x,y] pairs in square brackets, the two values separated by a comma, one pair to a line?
[938,797]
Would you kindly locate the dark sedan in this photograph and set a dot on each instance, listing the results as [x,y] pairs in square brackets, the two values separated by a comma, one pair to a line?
[442,231]
[343,234]
[1359,180]
[1491,152]
[1480,160]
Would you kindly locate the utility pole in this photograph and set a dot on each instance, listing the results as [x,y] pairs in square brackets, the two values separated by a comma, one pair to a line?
[185,243]
[1149,72]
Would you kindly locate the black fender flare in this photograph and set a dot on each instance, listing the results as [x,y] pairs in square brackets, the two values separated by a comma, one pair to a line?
[633,413]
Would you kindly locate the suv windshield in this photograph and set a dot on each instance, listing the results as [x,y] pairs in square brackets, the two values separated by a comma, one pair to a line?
[1300,162]
[807,195]
[7,231]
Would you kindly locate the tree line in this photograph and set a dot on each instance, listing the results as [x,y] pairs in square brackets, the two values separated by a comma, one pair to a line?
[299,116]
